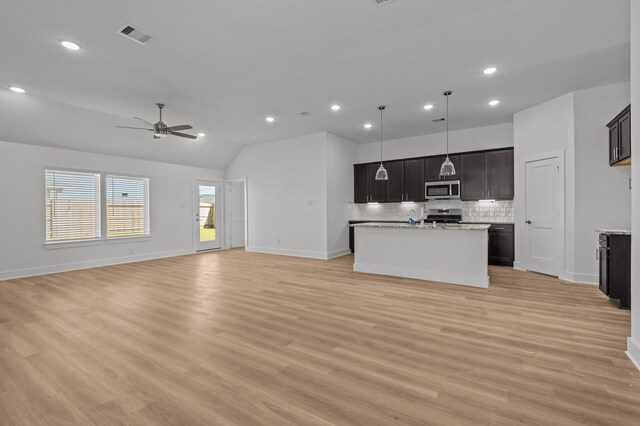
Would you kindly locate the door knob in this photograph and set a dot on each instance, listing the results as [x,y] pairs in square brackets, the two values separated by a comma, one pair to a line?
[529,222]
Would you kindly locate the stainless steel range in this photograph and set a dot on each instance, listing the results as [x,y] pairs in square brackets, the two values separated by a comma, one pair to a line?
[444,215]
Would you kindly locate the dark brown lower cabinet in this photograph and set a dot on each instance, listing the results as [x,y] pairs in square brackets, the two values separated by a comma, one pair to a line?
[501,245]
[614,255]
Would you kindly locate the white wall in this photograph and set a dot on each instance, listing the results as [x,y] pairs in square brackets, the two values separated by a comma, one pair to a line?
[633,347]
[298,192]
[478,138]
[22,225]
[596,195]
[287,195]
[602,195]
[341,155]
[541,129]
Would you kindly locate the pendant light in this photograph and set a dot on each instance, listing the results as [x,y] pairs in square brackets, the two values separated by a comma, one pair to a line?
[447,168]
[381,174]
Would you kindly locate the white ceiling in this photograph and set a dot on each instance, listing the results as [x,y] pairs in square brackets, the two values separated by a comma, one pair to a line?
[223,66]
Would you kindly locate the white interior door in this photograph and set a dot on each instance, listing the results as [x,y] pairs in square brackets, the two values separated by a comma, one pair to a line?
[543,215]
[206,208]
[237,213]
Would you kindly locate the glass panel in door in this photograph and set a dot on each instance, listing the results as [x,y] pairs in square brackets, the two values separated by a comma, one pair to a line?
[207,232]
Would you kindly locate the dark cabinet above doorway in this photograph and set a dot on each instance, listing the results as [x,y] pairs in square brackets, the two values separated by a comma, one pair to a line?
[620,139]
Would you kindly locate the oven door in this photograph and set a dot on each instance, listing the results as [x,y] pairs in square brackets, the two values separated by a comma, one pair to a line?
[437,190]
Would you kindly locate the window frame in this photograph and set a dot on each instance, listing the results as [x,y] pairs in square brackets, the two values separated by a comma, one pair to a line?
[80,241]
[147,208]
[103,238]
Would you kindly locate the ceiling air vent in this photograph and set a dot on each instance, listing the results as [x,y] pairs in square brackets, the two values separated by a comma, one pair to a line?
[135,34]
[438,120]
[380,3]
[305,113]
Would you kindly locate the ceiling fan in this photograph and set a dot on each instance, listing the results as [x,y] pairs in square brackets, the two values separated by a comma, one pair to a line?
[161,130]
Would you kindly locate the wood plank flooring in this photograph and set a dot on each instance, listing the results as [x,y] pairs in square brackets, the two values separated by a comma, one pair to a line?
[236,338]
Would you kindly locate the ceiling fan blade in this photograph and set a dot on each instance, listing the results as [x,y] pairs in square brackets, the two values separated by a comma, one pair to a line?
[135,128]
[180,127]
[183,135]
[156,137]
[144,121]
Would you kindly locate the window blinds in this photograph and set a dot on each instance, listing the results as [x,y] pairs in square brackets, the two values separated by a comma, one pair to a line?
[72,205]
[127,206]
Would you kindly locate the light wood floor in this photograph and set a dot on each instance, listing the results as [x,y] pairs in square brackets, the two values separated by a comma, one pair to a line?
[250,339]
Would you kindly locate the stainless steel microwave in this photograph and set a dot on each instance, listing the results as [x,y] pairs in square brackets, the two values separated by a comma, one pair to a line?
[442,190]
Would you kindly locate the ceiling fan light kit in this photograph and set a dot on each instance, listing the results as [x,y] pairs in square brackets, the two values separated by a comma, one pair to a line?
[161,130]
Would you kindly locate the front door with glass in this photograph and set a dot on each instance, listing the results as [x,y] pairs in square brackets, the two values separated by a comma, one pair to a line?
[206,231]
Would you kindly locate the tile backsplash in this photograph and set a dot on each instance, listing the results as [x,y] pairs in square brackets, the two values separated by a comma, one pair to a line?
[472,211]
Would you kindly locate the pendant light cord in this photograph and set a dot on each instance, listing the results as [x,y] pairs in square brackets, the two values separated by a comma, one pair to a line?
[449,93]
[381,108]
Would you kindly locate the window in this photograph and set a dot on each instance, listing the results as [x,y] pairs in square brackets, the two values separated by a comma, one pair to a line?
[73,206]
[127,206]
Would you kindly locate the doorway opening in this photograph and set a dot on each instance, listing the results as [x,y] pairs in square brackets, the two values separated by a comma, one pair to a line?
[237,213]
[207,234]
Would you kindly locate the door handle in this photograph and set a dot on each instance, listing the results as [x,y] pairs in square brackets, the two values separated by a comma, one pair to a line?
[528,222]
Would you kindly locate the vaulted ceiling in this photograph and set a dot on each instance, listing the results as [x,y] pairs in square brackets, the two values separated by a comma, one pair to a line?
[223,66]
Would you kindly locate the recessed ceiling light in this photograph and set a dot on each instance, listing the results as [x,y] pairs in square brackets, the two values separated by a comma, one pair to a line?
[335,107]
[17,89]
[428,107]
[368,126]
[201,135]
[70,45]
[490,70]
[270,119]
[494,102]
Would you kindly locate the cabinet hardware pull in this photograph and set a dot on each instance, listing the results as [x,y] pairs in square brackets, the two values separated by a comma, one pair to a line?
[499,229]
[597,254]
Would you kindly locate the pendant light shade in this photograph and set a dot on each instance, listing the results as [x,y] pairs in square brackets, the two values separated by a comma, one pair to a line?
[381,174]
[447,168]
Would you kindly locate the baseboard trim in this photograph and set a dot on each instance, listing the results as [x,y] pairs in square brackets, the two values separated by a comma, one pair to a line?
[54,269]
[338,253]
[578,278]
[286,252]
[518,266]
[633,352]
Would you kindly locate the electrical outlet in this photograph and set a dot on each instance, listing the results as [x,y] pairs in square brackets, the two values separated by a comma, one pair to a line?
[310,203]
[278,240]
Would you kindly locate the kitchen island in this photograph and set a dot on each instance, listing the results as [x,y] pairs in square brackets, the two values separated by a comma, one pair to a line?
[454,254]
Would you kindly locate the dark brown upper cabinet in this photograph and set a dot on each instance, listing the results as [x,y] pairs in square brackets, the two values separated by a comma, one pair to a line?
[482,175]
[395,185]
[473,176]
[432,167]
[487,175]
[499,174]
[366,188]
[360,183]
[377,188]
[620,139]
[414,180]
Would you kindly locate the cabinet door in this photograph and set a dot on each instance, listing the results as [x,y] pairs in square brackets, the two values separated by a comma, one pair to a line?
[472,177]
[432,167]
[376,187]
[360,183]
[624,144]
[613,143]
[395,184]
[414,180]
[501,248]
[499,171]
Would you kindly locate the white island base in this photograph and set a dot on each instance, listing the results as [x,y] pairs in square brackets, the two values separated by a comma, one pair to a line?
[454,254]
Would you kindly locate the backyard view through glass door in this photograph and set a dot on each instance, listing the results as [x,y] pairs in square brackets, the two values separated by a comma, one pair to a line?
[207,233]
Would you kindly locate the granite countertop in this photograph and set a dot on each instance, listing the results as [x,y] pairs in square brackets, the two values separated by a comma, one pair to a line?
[501,222]
[425,227]
[613,231]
